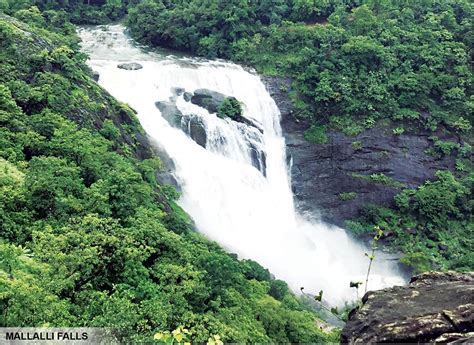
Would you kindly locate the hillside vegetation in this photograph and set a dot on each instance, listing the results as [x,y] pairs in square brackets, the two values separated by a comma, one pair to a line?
[355,65]
[87,235]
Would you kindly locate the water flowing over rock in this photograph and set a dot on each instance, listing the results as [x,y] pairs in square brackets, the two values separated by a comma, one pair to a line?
[130,66]
[196,126]
[435,307]
[237,187]
[211,101]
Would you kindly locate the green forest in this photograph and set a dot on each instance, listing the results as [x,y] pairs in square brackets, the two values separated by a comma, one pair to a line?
[357,65]
[88,237]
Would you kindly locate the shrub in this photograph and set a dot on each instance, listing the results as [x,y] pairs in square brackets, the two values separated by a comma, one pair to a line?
[346,196]
[278,289]
[109,130]
[418,261]
[230,107]
[357,145]
[398,131]
[316,134]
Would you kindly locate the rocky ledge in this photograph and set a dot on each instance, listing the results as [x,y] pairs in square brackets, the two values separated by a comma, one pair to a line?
[333,180]
[434,308]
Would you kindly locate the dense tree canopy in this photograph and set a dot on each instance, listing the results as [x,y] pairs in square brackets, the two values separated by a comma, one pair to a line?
[364,60]
[87,235]
[357,64]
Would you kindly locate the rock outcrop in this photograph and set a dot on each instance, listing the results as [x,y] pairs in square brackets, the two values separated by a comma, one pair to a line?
[434,307]
[322,174]
[170,112]
[196,126]
[211,101]
[192,125]
[130,66]
[95,75]
[208,99]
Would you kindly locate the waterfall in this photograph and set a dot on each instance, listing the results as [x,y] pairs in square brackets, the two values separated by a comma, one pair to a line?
[245,207]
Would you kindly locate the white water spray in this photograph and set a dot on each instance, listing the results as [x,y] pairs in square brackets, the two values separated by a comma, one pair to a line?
[229,199]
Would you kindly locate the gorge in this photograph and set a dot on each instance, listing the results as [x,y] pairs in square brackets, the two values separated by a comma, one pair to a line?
[232,171]
[224,188]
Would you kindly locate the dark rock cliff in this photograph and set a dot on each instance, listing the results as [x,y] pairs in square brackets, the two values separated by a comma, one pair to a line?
[434,308]
[321,173]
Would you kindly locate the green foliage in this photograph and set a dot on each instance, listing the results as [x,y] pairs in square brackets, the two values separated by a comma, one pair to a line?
[316,134]
[373,246]
[380,178]
[359,61]
[398,131]
[445,148]
[179,336]
[418,261]
[357,145]
[437,200]
[88,236]
[230,107]
[431,226]
[347,196]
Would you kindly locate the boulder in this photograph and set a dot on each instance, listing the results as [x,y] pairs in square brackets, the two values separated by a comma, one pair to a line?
[192,125]
[195,127]
[95,75]
[130,66]
[187,96]
[434,307]
[166,175]
[170,112]
[208,99]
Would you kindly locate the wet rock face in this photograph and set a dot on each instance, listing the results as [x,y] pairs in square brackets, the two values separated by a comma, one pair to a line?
[192,125]
[321,172]
[195,126]
[170,112]
[130,66]
[434,307]
[95,75]
[208,99]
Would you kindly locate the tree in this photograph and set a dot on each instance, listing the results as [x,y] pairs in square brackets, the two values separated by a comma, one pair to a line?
[54,187]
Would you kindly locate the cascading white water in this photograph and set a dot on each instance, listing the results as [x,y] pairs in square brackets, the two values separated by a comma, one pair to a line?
[230,200]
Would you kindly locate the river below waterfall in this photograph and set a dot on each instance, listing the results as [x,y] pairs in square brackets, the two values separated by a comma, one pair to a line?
[247,210]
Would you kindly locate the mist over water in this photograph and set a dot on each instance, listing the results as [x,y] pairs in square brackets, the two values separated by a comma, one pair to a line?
[231,201]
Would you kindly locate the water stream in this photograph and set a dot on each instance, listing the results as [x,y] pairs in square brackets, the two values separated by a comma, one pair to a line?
[232,202]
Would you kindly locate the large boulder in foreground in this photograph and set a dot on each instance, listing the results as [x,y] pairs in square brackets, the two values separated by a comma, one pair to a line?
[434,308]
